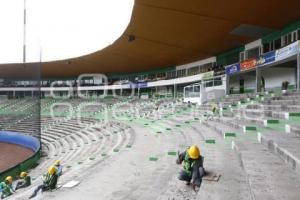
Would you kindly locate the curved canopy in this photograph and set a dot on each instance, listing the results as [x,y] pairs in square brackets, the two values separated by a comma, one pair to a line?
[165,33]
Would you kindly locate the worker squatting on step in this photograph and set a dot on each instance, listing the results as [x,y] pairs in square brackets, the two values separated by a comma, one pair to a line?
[192,162]
[25,181]
[6,187]
[50,181]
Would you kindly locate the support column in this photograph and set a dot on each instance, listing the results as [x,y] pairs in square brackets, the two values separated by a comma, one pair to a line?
[298,72]
[258,79]
[227,85]
[175,91]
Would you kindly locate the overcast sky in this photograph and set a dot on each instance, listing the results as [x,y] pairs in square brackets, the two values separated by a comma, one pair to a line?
[60,29]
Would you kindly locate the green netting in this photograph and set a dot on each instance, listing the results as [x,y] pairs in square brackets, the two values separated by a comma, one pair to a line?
[276,35]
[229,57]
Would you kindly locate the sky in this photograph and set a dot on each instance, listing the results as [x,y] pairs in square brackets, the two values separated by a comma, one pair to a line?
[60,29]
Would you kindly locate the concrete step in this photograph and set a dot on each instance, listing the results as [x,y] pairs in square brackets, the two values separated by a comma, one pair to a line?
[295,129]
[268,175]
[286,146]
[281,102]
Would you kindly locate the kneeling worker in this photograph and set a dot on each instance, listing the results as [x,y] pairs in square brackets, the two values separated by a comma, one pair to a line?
[49,183]
[25,181]
[193,170]
[6,187]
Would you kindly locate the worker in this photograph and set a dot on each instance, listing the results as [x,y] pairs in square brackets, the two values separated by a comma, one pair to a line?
[193,170]
[58,166]
[49,183]
[25,181]
[6,187]
[214,108]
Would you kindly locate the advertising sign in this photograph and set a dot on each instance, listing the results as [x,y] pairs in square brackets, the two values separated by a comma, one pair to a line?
[287,51]
[139,85]
[266,58]
[232,69]
[248,64]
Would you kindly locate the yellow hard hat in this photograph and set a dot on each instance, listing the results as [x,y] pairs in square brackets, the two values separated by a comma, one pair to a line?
[9,179]
[23,174]
[194,152]
[57,162]
[52,170]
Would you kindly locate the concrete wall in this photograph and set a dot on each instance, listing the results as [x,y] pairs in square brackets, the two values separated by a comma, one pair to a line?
[249,78]
[274,76]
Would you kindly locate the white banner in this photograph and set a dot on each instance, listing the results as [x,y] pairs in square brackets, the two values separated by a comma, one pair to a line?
[287,51]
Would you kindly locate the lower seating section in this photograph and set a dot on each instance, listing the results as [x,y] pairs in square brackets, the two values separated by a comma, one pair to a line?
[251,140]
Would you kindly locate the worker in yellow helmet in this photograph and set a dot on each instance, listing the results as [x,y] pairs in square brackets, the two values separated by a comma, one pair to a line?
[58,166]
[192,162]
[6,187]
[50,181]
[25,181]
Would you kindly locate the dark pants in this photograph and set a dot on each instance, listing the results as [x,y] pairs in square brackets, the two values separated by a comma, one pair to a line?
[40,187]
[184,176]
[20,184]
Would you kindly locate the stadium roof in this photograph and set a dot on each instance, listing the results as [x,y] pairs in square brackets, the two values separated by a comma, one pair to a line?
[165,33]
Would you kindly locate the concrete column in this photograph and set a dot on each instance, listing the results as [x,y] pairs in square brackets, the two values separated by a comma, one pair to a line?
[175,91]
[298,72]
[227,84]
[258,79]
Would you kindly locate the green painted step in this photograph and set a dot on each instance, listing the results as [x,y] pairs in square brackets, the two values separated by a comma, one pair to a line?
[116,150]
[273,121]
[187,122]
[172,153]
[153,159]
[168,129]
[210,141]
[196,118]
[229,134]
[250,128]
[103,154]
[178,125]
[294,114]
[92,158]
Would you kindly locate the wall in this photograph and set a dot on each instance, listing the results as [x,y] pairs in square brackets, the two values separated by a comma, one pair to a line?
[26,141]
[274,76]
[250,81]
